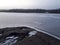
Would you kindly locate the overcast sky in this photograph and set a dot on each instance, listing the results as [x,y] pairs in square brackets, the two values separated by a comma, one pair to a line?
[42,4]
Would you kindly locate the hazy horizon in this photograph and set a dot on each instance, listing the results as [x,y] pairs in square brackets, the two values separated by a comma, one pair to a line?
[29,4]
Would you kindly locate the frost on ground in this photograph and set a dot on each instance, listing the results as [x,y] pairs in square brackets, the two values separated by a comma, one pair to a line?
[31,33]
[9,40]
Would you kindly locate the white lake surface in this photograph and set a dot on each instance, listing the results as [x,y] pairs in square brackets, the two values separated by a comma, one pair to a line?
[45,22]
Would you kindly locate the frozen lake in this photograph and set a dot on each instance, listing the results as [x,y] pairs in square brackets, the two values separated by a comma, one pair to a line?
[46,22]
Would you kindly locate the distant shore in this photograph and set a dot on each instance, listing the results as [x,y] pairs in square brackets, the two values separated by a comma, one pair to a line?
[57,11]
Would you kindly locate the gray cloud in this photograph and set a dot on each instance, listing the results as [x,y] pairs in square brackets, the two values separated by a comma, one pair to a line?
[47,4]
[44,4]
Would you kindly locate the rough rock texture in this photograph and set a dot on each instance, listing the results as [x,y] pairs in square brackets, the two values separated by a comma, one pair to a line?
[23,32]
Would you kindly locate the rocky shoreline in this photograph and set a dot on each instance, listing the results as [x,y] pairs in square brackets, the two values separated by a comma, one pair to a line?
[26,36]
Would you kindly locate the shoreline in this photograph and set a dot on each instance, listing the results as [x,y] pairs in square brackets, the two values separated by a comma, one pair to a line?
[30,12]
[35,39]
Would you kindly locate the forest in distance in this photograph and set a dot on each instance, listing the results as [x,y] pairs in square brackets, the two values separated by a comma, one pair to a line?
[31,10]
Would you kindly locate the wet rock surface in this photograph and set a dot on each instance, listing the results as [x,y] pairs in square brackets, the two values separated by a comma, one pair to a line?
[25,36]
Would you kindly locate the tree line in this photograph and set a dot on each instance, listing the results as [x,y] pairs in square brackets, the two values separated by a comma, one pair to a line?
[32,10]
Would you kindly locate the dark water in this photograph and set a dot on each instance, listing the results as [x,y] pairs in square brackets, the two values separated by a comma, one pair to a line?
[46,22]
